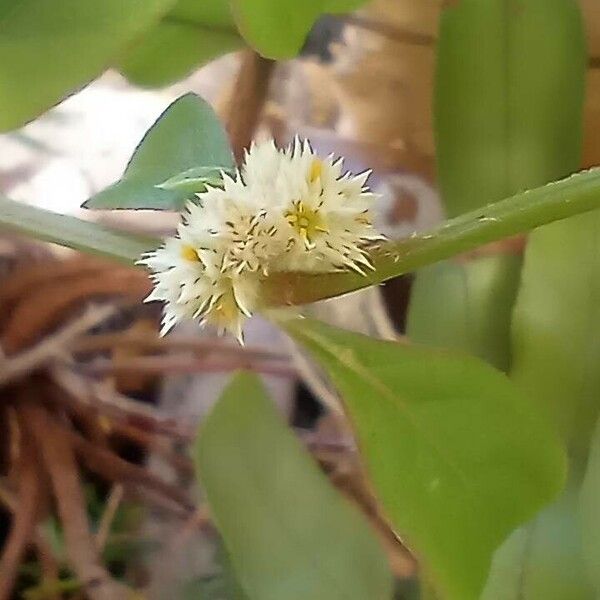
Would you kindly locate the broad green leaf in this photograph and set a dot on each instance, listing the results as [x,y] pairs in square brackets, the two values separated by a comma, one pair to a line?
[499,129]
[51,49]
[278,28]
[556,325]
[518,214]
[188,134]
[556,318]
[72,232]
[191,34]
[135,194]
[342,6]
[590,511]
[502,66]
[456,455]
[215,14]
[466,306]
[289,533]
[543,560]
[172,50]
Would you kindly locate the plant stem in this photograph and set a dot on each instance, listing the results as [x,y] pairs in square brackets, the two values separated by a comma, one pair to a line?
[73,232]
[518,214]
[525,211]
[247,100]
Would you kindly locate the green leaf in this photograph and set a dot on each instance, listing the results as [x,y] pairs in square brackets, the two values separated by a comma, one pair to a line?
[215,14]
[474,315]
[518,214]
[556,347]
[499,127]
[194,180]
[543,559]
[191,34]
[289,533]
[342,6]
[51,49]
[73,233]
[590,515]
[456,455]
[278,28]
[134,194]
[172,51]
[188,134]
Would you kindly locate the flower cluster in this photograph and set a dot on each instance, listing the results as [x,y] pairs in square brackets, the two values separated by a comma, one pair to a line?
[284,210]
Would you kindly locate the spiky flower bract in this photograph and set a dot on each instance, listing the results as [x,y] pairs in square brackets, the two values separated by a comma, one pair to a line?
[283,210]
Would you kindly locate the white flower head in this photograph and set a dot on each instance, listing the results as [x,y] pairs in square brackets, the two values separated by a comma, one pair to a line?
[193,289]
[283,210]
[328,213]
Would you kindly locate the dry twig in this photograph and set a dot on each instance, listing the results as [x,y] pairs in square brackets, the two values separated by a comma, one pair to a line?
[247,100]
[25,512]
[59,460]
[108,516]
[112,467]
[40,311]
[181,343]
[174,364]
[117,406]
[52,347]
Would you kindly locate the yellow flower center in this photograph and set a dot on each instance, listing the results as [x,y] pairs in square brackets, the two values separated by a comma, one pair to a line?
[315,171]
[307,222]
[225,312]
[189,253]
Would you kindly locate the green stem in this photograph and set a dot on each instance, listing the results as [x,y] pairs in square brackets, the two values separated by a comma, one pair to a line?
[525,211]
[72,232]
[515,215]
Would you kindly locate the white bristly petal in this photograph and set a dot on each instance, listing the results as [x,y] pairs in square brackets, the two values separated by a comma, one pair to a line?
[283,210]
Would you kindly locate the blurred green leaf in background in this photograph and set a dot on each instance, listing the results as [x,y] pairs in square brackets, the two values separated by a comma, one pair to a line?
[190,34]
[456,454]
[289,533]
[509,101]
[51,49]
[499,130]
